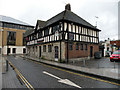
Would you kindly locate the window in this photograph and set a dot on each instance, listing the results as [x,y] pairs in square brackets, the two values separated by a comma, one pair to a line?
[77,46]
[24,50]
[81,46]
[46,32]
[14,50]
[85,46]
[44,48]
[55,28]
[40,34]
[11,38]
[49,48]
[70,46]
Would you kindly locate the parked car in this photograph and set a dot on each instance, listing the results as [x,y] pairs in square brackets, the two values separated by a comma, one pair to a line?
[115,56]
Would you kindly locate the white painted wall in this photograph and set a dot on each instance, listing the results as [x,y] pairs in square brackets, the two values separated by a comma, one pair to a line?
[19,49]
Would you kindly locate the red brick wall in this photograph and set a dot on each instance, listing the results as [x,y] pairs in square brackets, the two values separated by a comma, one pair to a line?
[117,43]
[80,53]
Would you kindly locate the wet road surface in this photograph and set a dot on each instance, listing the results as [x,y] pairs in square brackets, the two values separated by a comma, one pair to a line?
[35,74]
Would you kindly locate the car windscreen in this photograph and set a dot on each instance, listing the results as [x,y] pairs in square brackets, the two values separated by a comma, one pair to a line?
[116,52]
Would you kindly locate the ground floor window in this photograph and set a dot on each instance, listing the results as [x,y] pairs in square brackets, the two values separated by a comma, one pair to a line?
[70,46]
[85,46]
[24,50]
[44,48]
[14,50]
[77,46]
[81,46]
[49,48]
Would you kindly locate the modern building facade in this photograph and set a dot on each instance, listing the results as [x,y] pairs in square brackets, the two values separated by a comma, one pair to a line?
[63,37]
[11,35]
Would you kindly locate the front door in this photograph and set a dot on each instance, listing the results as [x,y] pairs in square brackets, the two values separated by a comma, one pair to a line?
[91,51]
[39,51]
[56,53]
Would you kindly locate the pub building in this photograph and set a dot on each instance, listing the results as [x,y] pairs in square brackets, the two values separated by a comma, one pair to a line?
[63,37]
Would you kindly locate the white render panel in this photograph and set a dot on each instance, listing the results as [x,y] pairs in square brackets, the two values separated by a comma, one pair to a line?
[73,28]
[77,29]
[19,49]
[70,27]
[77,38]
[50,30]
[65,26]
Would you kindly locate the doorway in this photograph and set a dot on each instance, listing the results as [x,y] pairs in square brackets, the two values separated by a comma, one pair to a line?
[39,51]
[91,51]
[56,52]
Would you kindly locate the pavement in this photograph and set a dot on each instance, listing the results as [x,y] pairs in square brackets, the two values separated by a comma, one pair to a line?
[105,69]
[8,79]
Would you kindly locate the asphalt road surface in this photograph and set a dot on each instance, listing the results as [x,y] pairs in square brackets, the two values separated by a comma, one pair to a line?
[44,76]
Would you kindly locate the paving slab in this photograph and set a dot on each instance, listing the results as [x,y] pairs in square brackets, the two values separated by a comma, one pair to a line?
[9,78]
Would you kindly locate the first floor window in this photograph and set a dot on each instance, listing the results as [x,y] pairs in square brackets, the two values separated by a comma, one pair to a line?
[49,48]
[44,48]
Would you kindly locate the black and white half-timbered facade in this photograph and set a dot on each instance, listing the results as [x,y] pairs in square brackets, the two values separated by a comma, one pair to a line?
[63,37]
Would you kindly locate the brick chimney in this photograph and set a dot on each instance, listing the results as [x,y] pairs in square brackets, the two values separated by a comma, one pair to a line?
[68,7]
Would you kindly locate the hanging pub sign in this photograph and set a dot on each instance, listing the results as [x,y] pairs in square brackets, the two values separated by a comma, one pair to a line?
[57,33]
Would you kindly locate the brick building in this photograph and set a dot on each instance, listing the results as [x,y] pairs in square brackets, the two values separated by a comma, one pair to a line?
[11,35]
[63,37]
[115,45]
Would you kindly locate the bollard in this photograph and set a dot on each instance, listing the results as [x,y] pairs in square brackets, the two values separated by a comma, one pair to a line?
[83,63]
[114,64]
[6,65]
[98,65]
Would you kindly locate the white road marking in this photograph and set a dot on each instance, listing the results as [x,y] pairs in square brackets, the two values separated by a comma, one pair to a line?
[65,81]
[51,75]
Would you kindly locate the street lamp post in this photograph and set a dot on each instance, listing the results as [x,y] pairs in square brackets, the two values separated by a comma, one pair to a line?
[96,20]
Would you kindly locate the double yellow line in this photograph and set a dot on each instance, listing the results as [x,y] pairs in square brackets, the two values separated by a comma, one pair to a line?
[29,86]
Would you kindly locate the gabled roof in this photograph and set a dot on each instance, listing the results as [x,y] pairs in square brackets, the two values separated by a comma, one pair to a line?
[41,23]
[12,20]
[28,32]
[70,16]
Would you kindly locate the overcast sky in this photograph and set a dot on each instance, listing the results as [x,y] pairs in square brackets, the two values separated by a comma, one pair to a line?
[30,11]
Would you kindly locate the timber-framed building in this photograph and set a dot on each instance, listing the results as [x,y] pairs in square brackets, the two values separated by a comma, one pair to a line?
[63,37]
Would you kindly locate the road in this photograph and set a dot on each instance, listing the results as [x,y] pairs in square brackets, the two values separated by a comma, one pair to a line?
[44,76]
